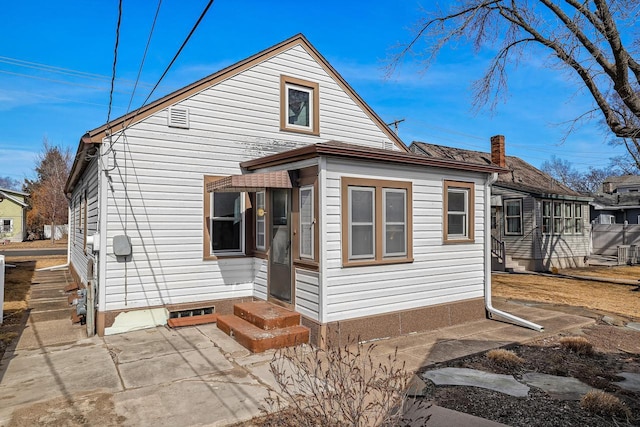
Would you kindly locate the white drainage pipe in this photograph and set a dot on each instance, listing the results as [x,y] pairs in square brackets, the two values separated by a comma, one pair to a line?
[492,312]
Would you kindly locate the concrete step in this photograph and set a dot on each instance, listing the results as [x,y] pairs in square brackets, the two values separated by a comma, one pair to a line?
[259,340]
[265,315]
[178,322]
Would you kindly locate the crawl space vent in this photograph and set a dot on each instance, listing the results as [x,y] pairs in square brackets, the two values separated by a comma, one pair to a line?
[178,117]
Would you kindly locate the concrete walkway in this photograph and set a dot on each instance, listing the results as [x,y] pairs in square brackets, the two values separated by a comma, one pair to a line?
[190,376]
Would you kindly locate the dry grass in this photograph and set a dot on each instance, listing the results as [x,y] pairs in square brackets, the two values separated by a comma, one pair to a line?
[505,358]
[600,403]
[607,297]
[577,345]
[36,244]
[619,272]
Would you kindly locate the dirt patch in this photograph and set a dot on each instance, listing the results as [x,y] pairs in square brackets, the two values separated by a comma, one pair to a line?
[83,410]
[627,272]
[17,289]
[616,350]
[36,244]
[607,297]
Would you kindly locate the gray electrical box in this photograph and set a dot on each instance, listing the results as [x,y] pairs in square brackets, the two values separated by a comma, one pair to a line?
[121,245]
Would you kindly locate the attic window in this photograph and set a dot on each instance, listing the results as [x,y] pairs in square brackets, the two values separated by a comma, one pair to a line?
[178,117]
[299,104]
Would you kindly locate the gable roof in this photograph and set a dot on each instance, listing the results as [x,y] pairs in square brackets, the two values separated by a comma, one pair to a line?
[617,201]
[11,195]
[521,175]
[341,149]
[96,135]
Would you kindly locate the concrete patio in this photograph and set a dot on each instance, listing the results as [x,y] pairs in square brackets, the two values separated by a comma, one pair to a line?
[194,375]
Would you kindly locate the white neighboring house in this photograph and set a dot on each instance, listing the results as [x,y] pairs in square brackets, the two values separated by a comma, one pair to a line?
[234,188]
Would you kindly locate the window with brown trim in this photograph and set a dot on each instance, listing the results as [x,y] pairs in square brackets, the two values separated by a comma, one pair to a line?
[224,222]
[377,223]
[458,212]
[299,106]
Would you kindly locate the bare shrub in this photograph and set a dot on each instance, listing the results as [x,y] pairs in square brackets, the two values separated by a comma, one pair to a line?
[504,358]
[339,386]
[598,402]
[578,345]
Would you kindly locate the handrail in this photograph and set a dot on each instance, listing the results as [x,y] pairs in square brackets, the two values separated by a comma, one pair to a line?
[497,248]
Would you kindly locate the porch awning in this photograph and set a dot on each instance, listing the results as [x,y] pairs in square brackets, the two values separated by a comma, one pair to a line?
[251,182]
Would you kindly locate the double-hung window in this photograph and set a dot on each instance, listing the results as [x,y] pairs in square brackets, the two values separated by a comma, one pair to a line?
[227,222]
[6,225]
[395,222]
[307,222]
[376,222]
[513,216]
[458,212]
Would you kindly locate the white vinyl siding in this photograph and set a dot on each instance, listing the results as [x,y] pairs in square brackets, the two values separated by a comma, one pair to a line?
[162,171]
[438,274]
[89,187]
[308,293]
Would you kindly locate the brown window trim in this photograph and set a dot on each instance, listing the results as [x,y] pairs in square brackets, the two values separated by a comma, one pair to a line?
[206,239]
[379,185]
[470,214]
[306,177]
[315,88]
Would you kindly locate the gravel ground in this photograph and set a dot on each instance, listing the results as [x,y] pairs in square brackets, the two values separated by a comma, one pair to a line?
[617,350]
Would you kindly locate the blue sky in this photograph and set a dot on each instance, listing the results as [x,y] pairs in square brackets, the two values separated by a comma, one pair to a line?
[78,36]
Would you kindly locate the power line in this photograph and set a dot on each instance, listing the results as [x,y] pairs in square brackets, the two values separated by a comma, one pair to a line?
[175,57]
[144,55]
[115,60]
[64,71]
[58,81]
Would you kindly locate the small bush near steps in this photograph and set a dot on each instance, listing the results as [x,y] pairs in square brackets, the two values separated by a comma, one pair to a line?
[340,386]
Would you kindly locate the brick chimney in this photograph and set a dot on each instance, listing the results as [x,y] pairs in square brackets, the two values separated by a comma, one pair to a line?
[497,151]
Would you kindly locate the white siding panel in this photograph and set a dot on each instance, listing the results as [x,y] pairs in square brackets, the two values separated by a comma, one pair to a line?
[439,274]
[260,282]
[307,293]
[79,258]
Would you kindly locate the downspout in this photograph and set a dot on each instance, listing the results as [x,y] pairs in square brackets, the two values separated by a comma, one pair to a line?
[491,311]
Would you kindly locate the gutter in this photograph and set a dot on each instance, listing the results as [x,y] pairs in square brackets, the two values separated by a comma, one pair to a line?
[491,311]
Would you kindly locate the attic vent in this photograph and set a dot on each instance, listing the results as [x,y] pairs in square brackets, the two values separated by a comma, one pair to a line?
[178,117]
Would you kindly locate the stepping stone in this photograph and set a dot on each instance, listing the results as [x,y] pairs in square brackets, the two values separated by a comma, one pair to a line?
[631,381]
[416,387]
[561,388]
[634,325]
[472,377]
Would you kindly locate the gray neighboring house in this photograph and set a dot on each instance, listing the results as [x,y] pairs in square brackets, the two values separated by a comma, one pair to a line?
[537,223]
[618,202]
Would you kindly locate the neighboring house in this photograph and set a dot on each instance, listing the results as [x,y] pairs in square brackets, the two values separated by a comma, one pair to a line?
[13,215]
[537,223]
[233,189]
[618,202]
